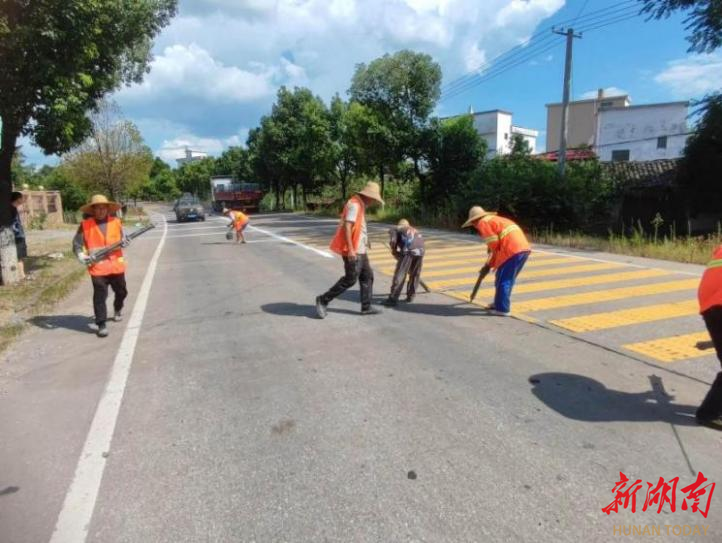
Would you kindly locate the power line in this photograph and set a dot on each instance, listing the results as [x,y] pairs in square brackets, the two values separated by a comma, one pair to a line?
[624,142]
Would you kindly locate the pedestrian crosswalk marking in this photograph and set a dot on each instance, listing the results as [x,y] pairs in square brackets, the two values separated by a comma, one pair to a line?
[599,296]
[475,269]
[627,317]
[672,349]
[568,270]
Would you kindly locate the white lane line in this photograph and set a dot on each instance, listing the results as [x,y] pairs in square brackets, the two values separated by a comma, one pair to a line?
[324,254]
[74,518]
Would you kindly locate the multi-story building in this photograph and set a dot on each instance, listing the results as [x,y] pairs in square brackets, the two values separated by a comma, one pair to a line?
[496,128]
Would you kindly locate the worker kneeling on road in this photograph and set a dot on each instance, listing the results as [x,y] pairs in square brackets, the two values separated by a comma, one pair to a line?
[239,221]
[351,242]
[407,246]
[710,306]
[98,231]
[508,252]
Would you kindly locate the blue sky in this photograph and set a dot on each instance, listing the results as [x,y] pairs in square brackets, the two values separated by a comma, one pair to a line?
[218,65]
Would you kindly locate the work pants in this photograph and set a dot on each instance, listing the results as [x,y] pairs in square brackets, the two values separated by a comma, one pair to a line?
[358,269]
[505,278]
[712,405]
[406,265]
[100,294]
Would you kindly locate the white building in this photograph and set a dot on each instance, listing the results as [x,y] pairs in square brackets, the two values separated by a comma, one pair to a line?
[190,157]
[497,129]
[644,132]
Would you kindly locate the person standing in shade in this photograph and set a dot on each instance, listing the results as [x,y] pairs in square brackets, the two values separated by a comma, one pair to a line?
[407,246]
[710,306]
[508,252]
[101,229]
[239,222]
[351,242]
[20,244]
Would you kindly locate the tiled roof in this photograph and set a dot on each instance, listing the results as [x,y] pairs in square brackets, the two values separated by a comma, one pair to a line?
[648,173]
[572,154]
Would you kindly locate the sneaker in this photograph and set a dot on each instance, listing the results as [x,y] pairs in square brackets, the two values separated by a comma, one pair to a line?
[500,313]
[320,308]
[371,311]
[389,302]
[102,331]
[118,316]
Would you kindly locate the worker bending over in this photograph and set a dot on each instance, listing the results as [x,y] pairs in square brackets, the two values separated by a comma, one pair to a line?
[407,246]
[239,222]
[508,252]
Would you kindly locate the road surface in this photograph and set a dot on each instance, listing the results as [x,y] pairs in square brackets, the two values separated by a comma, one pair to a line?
[221,409]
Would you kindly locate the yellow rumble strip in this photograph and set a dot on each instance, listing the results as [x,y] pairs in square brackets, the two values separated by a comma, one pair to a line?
[627,317]
[609,295]
[672,349]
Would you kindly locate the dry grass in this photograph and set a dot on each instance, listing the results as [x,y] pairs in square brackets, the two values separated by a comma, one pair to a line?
[49,282]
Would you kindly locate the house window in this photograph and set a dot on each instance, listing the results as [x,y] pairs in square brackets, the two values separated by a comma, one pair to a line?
[607,103]
[621,155]
[662,142]
[506,135]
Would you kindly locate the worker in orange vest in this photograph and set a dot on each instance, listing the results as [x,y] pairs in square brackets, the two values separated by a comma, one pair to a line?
[710,306]
[239,221]
[98,230]
[351,242]
[508,251]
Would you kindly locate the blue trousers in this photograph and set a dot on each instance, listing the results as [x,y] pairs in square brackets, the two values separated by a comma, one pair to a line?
[505,279]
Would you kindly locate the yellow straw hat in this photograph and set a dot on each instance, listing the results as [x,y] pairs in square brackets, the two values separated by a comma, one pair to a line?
[403,223]
[99,199]
[476,213]
[373,191]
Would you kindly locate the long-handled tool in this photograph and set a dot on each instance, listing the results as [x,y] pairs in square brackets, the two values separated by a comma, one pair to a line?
[100,254]
[421,281]
[483,272]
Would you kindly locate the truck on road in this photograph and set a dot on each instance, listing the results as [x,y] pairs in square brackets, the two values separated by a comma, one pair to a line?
[225,192]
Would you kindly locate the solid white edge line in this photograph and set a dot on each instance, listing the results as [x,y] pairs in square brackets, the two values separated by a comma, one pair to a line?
[324,254]
[74,519]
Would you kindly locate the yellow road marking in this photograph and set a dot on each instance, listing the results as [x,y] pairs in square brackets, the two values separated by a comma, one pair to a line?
[627,317]
[609,295]
[672,349]
[475,269]
[572,283]
[431,259]
[597,266]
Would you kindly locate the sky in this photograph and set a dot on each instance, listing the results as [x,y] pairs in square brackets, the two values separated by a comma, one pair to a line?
[219,64]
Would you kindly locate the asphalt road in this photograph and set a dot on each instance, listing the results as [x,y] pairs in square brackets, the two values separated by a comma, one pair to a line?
[241,417]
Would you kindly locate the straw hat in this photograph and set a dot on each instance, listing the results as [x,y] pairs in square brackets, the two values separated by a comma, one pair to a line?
[226,211]
[372,190]
[403,224]
[476,213]
[99,199]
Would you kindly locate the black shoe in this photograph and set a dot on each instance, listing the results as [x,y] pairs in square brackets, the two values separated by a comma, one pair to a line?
[371,311]
[320,308]
[410,299]
[389,302]
[102,331]
[712,422]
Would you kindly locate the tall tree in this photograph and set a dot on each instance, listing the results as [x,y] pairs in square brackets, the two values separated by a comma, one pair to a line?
[57,59]
[195,176]
[114,159]
[703,21]
[402,89]
[344,149]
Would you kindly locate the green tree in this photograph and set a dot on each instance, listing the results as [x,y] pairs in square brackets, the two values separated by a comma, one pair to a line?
[164,186]
[114,160]
[195,177]
[264,147]
[703,21]
[402,90]
[234,161]
[57,59]
[344,148]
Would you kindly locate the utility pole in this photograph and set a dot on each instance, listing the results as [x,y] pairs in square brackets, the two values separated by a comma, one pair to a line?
[562,159]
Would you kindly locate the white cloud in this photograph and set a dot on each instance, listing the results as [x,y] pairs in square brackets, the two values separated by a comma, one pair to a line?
[174,148]
[191,70]
[608,92]
[693,76]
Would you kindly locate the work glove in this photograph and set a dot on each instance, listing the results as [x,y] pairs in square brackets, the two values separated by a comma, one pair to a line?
[84,259]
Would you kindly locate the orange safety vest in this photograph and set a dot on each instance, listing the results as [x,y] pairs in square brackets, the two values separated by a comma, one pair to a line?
[93,239]
[338,243]
[710,288]
[503,237]
[239,219]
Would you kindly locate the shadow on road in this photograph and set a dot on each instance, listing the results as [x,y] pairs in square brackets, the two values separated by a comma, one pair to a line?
[442,310]
[79,323]
[9,490]
[582,398]
[289,309]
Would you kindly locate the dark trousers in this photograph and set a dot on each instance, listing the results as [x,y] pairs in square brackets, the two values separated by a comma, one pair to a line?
[100,294]
[358,269]
[505,279]
[406,265]
[712,405]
